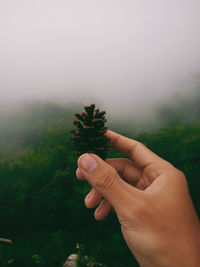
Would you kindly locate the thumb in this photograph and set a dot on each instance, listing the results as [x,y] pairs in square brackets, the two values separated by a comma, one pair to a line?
[106,181]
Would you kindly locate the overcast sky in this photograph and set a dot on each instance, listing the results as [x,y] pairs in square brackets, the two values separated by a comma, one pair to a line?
[126,53]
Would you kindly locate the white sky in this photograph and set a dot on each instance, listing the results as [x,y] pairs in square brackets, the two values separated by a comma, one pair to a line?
[119,52]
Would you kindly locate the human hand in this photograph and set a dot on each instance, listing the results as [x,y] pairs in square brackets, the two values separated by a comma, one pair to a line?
[152,202]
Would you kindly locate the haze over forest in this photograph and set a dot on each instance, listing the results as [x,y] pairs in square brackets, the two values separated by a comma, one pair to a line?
[129,56]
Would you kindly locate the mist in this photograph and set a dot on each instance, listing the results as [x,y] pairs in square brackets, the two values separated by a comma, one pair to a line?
[129,56]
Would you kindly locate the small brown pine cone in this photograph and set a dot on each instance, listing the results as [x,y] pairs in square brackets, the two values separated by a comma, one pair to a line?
[89,137]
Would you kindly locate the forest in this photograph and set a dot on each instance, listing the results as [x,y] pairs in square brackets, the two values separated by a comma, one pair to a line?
[42,203]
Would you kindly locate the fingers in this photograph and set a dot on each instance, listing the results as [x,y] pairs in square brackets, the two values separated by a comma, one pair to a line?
[126,169]
[107,182]
[103,210]
[140,154]
[92,199]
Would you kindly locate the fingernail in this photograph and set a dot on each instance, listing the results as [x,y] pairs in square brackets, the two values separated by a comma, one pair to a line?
[99,209]
[87,162]
[88,195]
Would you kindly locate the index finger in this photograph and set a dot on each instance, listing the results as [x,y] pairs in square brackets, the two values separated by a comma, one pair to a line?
[138,152]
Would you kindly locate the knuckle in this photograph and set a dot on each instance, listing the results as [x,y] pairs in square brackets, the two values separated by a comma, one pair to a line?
[137,143]
[133,147]
[168,165]
[181,176]
[165,165]
[178,176]
[107,179]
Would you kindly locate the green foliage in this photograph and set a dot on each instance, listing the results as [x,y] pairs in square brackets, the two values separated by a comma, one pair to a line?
[41,201]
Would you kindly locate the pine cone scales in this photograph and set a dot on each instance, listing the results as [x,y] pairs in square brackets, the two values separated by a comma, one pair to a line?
[89,137]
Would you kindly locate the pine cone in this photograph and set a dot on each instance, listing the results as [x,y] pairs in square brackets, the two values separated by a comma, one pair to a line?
[90,134]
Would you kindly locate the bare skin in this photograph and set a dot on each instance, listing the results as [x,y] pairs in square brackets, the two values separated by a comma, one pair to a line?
[152,202]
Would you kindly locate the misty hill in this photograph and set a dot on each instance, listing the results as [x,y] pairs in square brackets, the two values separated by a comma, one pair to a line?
[182,109]
[29,124]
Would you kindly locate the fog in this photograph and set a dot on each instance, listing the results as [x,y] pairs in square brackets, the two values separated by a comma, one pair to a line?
[127,55]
